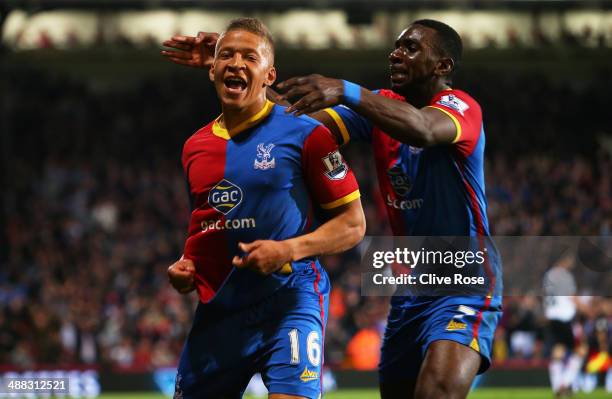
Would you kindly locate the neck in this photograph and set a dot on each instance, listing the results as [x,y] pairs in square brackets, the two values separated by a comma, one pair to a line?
[420,96]
[233,116]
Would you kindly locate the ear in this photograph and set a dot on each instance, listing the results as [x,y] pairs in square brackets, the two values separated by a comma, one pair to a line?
[271,77]
[444,66]
[211,73]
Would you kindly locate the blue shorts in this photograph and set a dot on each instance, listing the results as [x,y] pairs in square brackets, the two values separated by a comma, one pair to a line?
[412,327]
[281,337]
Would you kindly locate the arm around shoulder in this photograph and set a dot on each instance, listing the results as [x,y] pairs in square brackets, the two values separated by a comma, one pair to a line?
[423,127]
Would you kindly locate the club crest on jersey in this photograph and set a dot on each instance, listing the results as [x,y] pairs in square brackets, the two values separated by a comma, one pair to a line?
[225,196]
[400,181]
[453,102]
[263,160]
[415,150]
[335,168]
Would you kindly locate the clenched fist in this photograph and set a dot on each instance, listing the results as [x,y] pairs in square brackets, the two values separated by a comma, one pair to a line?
[264,256]
[181,275]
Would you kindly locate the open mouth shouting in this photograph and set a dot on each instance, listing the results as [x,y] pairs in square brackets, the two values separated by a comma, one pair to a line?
[235,84]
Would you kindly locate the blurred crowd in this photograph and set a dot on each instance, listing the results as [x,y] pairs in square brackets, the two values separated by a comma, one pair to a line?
[95,209]
[308,29]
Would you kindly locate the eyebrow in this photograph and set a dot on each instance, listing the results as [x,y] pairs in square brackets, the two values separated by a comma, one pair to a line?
[406,40]
[238,48]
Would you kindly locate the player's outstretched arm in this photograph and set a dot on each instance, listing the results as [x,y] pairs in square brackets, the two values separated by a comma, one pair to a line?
[342,231]
[402,121]
[194,51]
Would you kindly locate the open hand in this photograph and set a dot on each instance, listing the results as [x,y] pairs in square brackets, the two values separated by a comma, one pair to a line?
[311,93]
[194,51]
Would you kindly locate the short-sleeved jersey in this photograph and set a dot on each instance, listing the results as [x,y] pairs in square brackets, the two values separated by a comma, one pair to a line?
[265,179]
[433,191]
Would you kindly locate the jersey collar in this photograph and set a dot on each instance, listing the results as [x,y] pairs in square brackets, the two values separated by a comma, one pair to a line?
[252,121]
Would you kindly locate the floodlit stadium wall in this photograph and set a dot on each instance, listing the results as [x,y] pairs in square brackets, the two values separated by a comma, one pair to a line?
[313,29]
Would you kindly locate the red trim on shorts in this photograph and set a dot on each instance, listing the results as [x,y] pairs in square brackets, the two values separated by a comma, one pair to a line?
[322,307]
[480,231]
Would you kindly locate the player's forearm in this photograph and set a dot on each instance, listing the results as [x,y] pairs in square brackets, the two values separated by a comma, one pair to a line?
[343,231]
[398,119]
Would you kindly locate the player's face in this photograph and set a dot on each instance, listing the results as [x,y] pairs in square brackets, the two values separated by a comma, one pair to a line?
[242,69]
[413,60]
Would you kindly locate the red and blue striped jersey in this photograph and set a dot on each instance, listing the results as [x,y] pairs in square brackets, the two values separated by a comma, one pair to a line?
[432,191]
[265,179]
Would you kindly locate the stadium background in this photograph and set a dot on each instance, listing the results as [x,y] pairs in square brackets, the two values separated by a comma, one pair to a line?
[94,206]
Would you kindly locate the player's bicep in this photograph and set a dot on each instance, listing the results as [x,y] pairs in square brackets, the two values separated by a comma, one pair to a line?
[465,115]
[352,210]
[444,127]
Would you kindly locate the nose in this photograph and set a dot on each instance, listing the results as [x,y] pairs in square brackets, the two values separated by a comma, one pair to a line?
[395,56]
[236,62]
